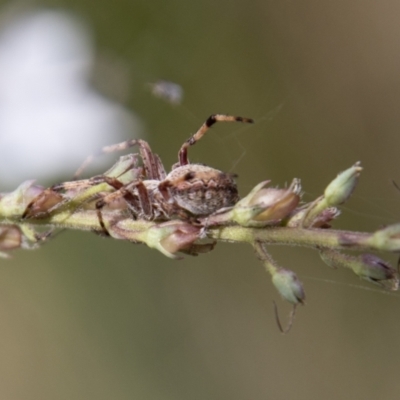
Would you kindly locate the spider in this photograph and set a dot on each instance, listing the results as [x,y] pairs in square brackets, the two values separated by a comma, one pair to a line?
[188,192]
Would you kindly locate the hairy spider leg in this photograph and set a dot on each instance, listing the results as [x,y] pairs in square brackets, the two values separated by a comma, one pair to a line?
[151,162]
[152,166]
[81,184]
[85,191]
[211,120]
[125,191]
[85,188]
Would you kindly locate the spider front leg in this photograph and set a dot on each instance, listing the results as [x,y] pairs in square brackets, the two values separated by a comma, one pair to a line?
[151,162]
[74,195]
[135,194]
[211,120]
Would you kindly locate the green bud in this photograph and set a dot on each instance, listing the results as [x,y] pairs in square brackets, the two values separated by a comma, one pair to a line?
[14,204]
[288,285]
[386,239]
[336,193]
[244,216]
[341,188]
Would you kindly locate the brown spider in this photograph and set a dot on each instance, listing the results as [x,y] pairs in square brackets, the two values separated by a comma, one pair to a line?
[188,192]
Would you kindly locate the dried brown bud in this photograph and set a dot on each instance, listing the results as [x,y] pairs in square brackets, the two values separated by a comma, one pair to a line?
[10,237]
[266,205]
[323,219]
[279,203]
[169,237]
[42,204]
[373,269]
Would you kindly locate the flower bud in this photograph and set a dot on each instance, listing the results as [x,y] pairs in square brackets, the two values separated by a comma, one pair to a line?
[323,219]
[14,204]
[170,237]
[10,237]
[288,285]
[366,266]
[40,206]
[386,239]
[244,215]
[266,205]
[336,193]
[341,188]
[375,270]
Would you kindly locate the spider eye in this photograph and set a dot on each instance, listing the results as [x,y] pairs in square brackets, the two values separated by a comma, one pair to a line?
[189,176]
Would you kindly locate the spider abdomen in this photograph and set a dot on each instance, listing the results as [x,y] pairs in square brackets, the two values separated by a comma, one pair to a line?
[201,190]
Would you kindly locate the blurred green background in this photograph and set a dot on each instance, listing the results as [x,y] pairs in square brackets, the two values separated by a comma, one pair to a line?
[90,318]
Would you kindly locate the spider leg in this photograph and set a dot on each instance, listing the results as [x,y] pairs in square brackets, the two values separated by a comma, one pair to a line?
[74,185]
[211,120]
[125,191]
[151,162]
[136,203]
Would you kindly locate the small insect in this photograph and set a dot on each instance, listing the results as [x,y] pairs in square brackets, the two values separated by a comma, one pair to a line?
[169,91]
[188,192]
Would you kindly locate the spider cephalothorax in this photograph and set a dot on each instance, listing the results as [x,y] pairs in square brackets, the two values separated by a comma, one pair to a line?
[188,192]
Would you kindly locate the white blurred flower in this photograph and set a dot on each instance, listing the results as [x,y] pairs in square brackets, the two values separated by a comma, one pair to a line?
[50,117]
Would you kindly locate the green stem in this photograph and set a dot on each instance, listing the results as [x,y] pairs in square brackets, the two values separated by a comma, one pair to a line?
[315,238]
[387,239]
